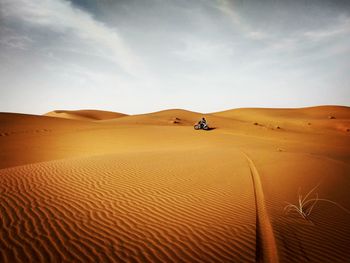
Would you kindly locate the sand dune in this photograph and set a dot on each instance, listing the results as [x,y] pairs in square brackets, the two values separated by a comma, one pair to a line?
[131,207]
[166,117]
[303,119]
[85,115]
[149,188]
[319,112]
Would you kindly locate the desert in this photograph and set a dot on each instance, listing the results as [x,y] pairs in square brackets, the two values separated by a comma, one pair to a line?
[95,186]
[175,131]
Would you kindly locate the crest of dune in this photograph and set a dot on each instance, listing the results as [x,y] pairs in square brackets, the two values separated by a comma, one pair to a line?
[85,115]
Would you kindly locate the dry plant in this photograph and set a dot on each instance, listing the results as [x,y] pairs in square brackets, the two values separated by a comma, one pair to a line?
[306,204]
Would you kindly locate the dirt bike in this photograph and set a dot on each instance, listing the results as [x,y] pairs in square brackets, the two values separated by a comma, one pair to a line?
[201,126]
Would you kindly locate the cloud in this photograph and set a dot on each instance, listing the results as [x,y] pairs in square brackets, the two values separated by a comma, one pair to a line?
[248,31]
[341,28]
[11,39]
[257,35]
[323,42]
[228,9]
[203,50]
[74,26]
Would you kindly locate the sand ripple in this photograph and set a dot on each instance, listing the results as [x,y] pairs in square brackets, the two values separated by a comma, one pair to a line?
[136,207]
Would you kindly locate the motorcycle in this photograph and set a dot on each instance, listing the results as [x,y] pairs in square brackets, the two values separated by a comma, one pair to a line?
[201,126]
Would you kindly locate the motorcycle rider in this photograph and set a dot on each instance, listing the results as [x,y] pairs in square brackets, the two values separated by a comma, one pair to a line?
[203,122]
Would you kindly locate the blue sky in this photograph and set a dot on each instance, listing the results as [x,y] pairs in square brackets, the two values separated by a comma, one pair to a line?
[142,56]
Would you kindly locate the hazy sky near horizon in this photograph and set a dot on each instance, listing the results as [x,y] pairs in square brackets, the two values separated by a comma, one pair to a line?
[204,55]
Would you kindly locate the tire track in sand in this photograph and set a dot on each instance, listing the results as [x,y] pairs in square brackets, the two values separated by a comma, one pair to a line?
[266,249]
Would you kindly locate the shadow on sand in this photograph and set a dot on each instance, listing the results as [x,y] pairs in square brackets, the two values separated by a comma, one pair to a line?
[209,129]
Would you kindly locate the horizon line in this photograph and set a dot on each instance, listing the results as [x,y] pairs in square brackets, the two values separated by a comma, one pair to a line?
[182,109]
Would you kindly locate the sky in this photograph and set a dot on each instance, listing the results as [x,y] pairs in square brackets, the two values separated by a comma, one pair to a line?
[203,55]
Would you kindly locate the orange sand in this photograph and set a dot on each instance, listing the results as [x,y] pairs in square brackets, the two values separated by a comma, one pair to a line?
[94,186]
[85,115]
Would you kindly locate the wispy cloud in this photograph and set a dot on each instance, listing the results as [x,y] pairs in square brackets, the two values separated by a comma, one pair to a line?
[76,27]
[229,9]
[323,42]
[203,50]
[12,39]
[341,28]
[288,38]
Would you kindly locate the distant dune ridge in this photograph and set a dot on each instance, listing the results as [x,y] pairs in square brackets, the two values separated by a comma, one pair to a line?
[98,186]
[91,115]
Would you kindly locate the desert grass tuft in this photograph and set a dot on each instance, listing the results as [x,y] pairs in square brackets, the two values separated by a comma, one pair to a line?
[306,204]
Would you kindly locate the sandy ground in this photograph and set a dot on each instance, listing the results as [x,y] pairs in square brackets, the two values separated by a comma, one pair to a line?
[94,186]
